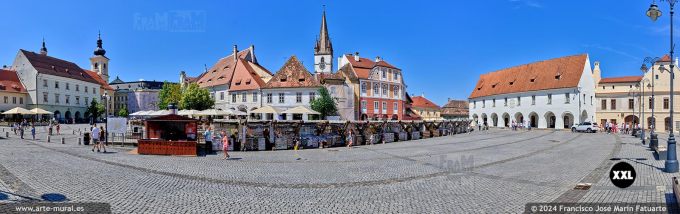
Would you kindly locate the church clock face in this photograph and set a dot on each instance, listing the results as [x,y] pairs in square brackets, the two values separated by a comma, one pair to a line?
[322,64]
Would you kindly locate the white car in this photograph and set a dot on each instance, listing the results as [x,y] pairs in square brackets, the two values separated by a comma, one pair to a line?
[585,127]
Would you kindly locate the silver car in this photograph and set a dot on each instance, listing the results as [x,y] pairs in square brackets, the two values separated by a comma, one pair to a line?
[585,127]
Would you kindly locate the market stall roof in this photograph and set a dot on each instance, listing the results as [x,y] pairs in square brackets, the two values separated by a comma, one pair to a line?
[40,111]
[214,112]
[159,112]
[266,110]
[300,110]
[171,117]
[188,112]
[140,113]
[18,110]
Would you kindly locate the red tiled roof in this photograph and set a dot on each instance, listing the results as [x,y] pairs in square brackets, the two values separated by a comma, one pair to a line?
[99,80]
[292,75]
[563,72]
[222,72]
[422,102]
[53,66]
[363,67]
[665,58]
[245,77]
[9,82]
[456,108]
[621,79]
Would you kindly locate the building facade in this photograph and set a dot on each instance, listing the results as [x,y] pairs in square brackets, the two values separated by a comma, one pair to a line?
[456,110]
[62,87]
[629,99]
[12,91]
[378,86]
[291,86]
[135,95]
[426,109]
[554,93]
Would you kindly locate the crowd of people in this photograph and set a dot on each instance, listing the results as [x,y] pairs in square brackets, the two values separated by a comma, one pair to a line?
[624,128]
[19,128]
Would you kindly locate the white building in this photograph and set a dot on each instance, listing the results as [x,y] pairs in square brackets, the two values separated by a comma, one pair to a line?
[554,93]
[62,87]
[291,86]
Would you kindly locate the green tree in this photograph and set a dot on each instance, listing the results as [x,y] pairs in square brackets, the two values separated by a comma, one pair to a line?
[325,104]
[123,112]
[170,93]
[196,98]
[95,109]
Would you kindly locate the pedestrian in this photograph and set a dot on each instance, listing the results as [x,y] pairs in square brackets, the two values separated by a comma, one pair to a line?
[21,133]
[208,138]
[102,138]
[225,145]
[370,140]
[95,138]
[58,128]
[349,140]
[33,131]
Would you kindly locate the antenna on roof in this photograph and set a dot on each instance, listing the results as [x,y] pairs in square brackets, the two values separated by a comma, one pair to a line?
[205,67]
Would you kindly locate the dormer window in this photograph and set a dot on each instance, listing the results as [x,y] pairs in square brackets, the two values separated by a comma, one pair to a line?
[494,85]
[558,76]
[214,71]
[302,79]
[248,82]
[283,79]
[533,80]
[512,82]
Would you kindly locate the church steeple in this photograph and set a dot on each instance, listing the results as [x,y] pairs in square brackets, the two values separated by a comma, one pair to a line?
[43,50]
[323,50]
[323,43]
[99,51]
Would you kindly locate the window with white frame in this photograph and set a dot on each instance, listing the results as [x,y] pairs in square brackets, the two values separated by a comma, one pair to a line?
[384,107]
[269,97]
[363,88]
[298,97]
[56,98]
[254,97]
[45,95]
[221,95]
[376,107]
[566,98]
[45,83]
[68,97]
[363,106]
[281,98]
[385,89]
[233,97]
[312,96]
[395,107]
[376,89]
[244,97]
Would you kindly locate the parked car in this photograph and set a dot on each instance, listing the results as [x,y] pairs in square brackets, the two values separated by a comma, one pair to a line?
[585,127]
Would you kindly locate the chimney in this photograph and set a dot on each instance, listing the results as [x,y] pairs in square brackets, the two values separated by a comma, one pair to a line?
[378,59]
[423,95]
[356,56]
[235,53]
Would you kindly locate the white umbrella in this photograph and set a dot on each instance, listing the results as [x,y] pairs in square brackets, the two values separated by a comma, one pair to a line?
[300,110]
[159,113]
[266,110]
[214,112]
[188,112]
[18,110]
[40,111]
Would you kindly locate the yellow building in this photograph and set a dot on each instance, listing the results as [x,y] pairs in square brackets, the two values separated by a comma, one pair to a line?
[620,99]
[426,109]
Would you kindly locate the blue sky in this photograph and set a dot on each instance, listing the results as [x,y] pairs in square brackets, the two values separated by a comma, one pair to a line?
[441,46]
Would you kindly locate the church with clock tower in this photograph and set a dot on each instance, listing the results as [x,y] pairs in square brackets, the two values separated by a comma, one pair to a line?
[323,50]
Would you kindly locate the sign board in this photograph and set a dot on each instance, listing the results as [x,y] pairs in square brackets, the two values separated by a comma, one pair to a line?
[117,125]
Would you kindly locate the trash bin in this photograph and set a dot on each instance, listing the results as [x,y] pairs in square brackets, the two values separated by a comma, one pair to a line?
[86,138]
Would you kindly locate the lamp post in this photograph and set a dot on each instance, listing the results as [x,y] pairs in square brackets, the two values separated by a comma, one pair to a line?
[105,97]
[653,139]
[671,164]
[634,93]
[642,110]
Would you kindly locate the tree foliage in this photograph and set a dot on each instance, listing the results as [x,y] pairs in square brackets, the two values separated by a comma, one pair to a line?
[325,104]
[170,93]
[123,112]
[194,97]
[95,109]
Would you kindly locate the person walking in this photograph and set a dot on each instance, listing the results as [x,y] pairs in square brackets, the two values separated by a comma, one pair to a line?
[225,145]
[33,131]
[349,140]
[95,139]
[102,138]
[370,140]
[21,133]
[208,139]
[58,129]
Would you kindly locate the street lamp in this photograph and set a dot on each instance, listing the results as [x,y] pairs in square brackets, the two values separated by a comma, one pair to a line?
[642,109]
[653,139]
[671,164]
[105,97]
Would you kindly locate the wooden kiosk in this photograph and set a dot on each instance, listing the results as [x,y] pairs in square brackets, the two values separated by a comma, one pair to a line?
[169,135]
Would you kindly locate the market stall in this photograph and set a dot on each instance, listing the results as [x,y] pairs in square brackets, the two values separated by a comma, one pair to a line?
[169,135]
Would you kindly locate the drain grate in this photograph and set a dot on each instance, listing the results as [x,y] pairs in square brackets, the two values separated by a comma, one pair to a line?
[583,186]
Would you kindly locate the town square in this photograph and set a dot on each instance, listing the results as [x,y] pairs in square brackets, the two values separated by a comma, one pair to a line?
[515,106]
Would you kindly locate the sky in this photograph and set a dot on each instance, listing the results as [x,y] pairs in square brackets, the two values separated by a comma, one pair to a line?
[441,46]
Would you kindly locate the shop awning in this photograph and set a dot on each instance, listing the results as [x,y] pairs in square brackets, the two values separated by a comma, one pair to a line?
[266,110]
[18,110]
[300,110]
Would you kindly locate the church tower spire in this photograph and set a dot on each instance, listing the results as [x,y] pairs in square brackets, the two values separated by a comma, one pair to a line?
[99,62]
[323,50]
[43,50]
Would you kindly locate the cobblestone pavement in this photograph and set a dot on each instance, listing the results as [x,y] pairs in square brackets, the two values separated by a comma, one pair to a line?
[495,171]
